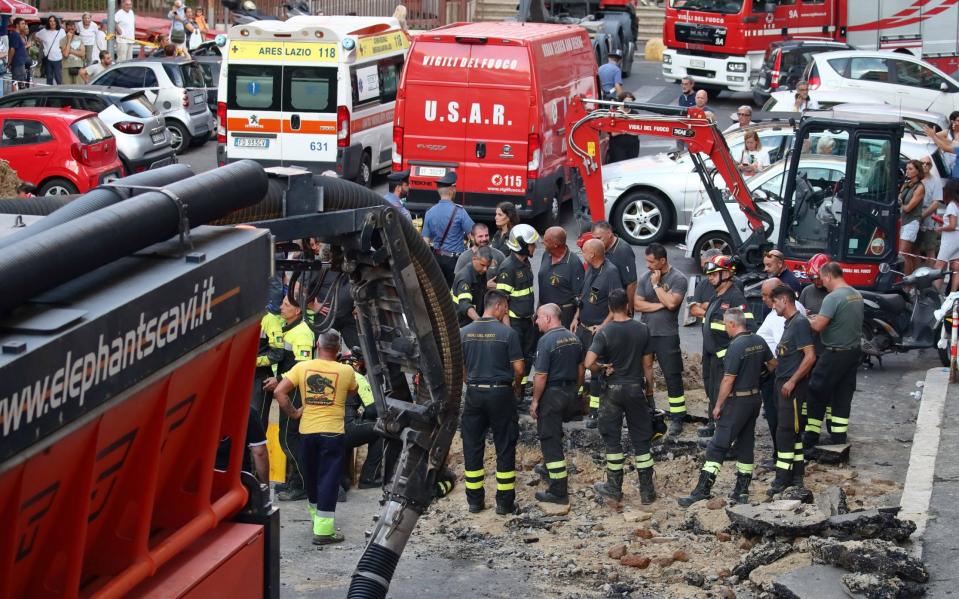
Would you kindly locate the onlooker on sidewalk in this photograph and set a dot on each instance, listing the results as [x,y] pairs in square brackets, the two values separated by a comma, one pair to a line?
[90,72]
[19,58]
[73,54]
[193,36]
[177,16]
[688,96]
[201,20]
[949,249]
[50,38]
[928,242]
[88,34]
[744,118]
[126,31]
[101,39]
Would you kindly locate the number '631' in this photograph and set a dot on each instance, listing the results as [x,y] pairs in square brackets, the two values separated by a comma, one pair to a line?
[318,146]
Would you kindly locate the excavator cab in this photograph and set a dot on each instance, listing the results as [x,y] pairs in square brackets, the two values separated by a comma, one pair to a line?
[855,219]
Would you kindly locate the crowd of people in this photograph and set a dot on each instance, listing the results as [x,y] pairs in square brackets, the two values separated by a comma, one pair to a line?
[74,52]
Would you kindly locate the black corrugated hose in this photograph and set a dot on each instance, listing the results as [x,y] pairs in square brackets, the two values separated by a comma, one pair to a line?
[39,262]
[63,209]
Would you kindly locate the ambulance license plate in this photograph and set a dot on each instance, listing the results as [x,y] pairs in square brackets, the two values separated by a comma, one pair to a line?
[697,64]
[431,171]
[251,142]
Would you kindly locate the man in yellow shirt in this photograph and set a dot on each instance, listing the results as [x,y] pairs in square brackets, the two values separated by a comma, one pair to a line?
[323,385]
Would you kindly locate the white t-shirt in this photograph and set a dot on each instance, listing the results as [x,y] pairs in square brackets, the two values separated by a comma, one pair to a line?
[88,34]
[949,243]
[126,26]
[933,188]
[50,40]
[758,157]
[101,41]
[773,326]
[94,69]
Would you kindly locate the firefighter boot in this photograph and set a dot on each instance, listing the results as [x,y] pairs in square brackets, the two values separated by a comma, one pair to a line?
[647,492]
[702,490]
[675,427]
[799,469]
[592,419]
[556,493]
[809,441]
[740,493]
[613,487]
[707,430]
[783,479]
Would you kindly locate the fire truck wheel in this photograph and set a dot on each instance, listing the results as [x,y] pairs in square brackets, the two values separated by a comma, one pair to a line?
[642,217]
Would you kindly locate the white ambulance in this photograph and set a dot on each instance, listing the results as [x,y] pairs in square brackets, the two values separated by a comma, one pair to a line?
[313,91]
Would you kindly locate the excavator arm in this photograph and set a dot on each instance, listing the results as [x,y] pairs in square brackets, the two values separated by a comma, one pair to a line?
[689,126]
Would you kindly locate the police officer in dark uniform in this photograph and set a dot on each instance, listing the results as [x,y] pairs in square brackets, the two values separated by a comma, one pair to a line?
[660,294]
[446,226]
[493,361]
[622,348]
[469,286]
[602,277]
[737,407]
[795,356]
[515,279]
[561,275]
[719,272]
[559,373]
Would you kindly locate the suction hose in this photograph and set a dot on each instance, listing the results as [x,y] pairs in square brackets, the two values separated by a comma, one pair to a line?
[62,209]
[375,569]
[37,263]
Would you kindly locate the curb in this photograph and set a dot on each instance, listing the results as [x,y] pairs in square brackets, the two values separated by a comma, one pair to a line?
[917,490]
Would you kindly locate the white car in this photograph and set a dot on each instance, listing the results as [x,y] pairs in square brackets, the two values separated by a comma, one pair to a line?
[890,77]
[708,230]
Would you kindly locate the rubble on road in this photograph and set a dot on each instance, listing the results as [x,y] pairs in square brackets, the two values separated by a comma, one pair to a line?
[878,587]
[761,555]
[783,518]
[832,501]
[9,182]
[870,524]
[870,556]
[811,582]
[830,454]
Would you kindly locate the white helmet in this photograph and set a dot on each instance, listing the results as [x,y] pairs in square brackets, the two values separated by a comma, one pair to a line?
[520,237]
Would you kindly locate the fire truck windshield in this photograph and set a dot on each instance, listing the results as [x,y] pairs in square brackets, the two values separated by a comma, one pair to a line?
[729,7]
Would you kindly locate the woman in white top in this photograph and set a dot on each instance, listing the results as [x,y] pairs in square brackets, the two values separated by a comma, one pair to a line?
[753,158]
[949,246]
[50,38]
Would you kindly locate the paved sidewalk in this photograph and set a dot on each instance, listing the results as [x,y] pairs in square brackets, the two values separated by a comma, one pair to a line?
[940,549]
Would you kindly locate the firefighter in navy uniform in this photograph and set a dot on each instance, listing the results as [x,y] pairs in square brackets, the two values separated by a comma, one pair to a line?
[469,286]
[493,361]
[737,407]
[559,373]
[719,272]
[560,275]
[515,279]
[623,349]
[298,342]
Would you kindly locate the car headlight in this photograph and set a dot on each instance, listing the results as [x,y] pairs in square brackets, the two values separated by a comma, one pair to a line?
[667,59]
[736,67]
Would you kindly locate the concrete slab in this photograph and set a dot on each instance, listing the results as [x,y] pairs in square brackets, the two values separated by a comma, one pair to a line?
[812,582]
[788,518]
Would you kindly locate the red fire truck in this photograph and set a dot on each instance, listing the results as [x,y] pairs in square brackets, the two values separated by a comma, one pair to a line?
[721,43]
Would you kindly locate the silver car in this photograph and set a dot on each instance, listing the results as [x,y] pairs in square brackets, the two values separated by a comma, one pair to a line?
[177,82]
[143,141]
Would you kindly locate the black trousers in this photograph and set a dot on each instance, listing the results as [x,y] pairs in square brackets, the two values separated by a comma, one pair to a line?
[716,374]
[670,358]
[291,443]
[487,409]
[791,424]
[768,389]
[348,331]
[526,330]
[595,389]
[629,401]
[833,383]
[707,380]
[737,424]
[359,433]
[448,266]
[558,405]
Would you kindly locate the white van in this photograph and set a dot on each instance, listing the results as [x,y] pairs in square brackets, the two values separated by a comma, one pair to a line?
[313,91]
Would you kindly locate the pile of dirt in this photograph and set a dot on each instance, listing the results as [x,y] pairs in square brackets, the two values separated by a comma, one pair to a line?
[8,180]
[692,372]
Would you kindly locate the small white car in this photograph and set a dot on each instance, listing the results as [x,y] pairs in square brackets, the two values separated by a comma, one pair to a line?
[890,77]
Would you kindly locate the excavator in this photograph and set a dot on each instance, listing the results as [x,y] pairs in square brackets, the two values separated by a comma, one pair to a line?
[854,220]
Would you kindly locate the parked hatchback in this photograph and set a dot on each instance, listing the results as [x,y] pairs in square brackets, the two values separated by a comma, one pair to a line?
[785,63]
[60,150]
[180,94]
[890,77]
[142,139]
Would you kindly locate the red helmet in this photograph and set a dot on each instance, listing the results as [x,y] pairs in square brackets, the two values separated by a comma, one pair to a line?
[815,264]
[719,263]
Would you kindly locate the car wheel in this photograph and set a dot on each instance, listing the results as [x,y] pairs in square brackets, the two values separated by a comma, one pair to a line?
[549,217]
[365,175]
[713,241]
[641,218]
[57,187]
[179,136]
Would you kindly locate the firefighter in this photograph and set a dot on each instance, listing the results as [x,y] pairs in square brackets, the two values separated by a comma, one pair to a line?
[298,339]
[360,426]
[737,407]
[469,286]
[833,379]
[660,294]
[559,373]
[560,275]
[719,272]
[515,279]
[623,350]
[493,361]
[602,277]
[795,357]
[811,298]
[621,254]
[270,351]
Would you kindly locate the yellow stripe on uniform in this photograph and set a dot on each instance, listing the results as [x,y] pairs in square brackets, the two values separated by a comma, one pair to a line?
[813,425]
[594,401]
[744,468]
[712,467]
[520,292]
[721,353]
[504,287]
[677,405]
[506,481]
[644,461]
[717,326]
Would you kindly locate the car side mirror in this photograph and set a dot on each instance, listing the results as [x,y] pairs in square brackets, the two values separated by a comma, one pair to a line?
[943,87]
[884,268]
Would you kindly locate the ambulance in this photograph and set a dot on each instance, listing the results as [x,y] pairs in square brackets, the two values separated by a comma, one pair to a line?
[312,91]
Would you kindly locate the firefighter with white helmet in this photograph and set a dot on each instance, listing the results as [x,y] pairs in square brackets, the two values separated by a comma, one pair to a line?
[515,279]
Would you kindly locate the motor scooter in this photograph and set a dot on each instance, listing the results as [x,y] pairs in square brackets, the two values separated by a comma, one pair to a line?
[243,12]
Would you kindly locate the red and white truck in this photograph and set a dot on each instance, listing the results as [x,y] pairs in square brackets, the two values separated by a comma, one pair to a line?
[721,43]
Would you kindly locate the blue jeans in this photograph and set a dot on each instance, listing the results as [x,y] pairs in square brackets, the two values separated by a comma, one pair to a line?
[53,71]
